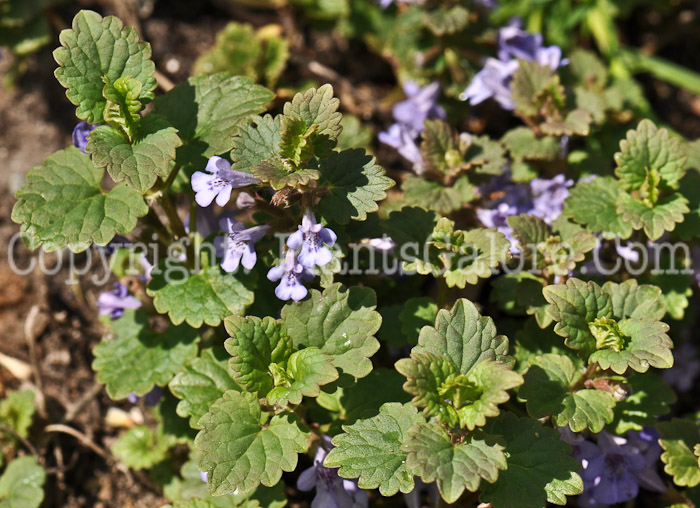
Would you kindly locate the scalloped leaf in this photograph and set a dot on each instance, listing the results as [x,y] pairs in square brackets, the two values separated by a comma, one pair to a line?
[203,381]
[633,300]
[17,411]
[522,143]
[140,163]
[318,107]
[21,484]
[355,183]
[539,467]
[446,21]
[98,48]
[256,142]
[307,370]
[594,204]
[279,174]
[159,356]
[464,337]
[370,450]
[649,397]
[341,322]
[432,195]
[678,439]
[575,123]
[655,220]
[549,390]
[647,149]
[238,452]
[455,466]
[63,204]
[141,448]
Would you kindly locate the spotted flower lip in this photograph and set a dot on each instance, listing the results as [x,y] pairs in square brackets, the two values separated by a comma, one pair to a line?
[80,134]
[237,246]
[313,240]
[217,181]
[290,274]
[113,303]
[332,491]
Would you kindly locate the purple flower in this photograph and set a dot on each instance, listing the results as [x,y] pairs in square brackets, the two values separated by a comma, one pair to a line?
[237,246]
[332,491]
[685,370]
[383,244]
[218,181]
[386,3]
[410,115]
[548,196]
[313,239]
[152,398]
[614,468]
[203,475]
[244,200]
[290,274]
[112,303]
[492,81]
[516,200]
[80,134]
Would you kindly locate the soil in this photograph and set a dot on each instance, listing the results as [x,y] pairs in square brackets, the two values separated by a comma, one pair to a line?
[37,120]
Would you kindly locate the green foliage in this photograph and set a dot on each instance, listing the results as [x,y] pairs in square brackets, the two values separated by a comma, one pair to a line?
[141,448]
[17,411]
[594,204]
[63,204]
[21,484]
[131,342]
[679,439]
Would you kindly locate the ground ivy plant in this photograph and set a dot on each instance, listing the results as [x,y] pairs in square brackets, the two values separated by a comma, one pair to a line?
[495,357]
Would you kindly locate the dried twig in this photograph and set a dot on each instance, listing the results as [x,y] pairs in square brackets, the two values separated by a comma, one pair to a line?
[29,446]
[30,335]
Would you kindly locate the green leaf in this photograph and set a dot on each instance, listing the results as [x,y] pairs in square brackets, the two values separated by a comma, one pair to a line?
[655,220]
[208,112]
[256,142]
[207,296]
[431,195]
[645,344]
[549,390]
[649,396]
[464,337]
[63,204]
[539,468]
[410,225]
[21,485]
[159,356]
[573,306]
[522,143]
[529,230]
[446,21]
[456,467]
[138,164]
[240,453]
[439,147]
[17,411]
[97,49]
[678,439]
[140,447]
[649,149]
[632,300]
[203,381]
[457,400]
[355,184]
[307,370]
[575,123]
[296,145]
[254,346]
[371,450]
[279,175]
[531,86]
[484,155]
[123,105]
[594,204]
[341,322]
[415,314]
[318,107]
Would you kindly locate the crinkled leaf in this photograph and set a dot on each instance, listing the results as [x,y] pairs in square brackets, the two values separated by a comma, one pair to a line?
[549,391]
[439,147]
[159,356]
[649,396]
[318,107]
[208,112]
[446,21]
[530,85]
[485,156]
[21,484]
[279,175]
[240,453]
[256,142]
[98,48]
[594,204]
[138,164]
[456,467]
[141,448]
[646,344]
[656,219]
[207,296]
[539,467]
[203,381]
[123,105]
[575,123]
[678,439]
[464,337]
[415,314]
[522,143]
[370,450]
[307,370]
[63,204]
[632,300]
[573,306]
[17,411]
[432,195]
[341,322]
[529,230]
[646,149]
[355,184]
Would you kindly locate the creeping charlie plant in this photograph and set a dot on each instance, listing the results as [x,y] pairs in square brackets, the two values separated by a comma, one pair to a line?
[503,363]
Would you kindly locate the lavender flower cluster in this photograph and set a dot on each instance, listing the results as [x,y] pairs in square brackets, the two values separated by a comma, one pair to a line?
[514,44]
